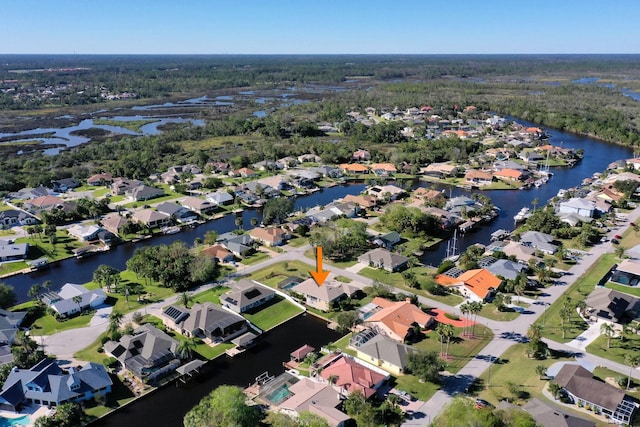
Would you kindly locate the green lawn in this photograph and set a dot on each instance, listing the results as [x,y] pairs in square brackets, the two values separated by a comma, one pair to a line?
[296,242]
[343,344]
[578,291]
[516,368]
[132,125]
[631,290]
[619,347]
[420,390]
[91,353]
[490,311]
[461,349]
[255,258]
[210,295]
[119,396]
[311,254]
[273,313]
[100,192]
[48,324]
[275,273]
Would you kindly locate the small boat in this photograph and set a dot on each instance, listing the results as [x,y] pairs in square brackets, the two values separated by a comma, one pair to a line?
[38,264]
[522,215]
[171,230]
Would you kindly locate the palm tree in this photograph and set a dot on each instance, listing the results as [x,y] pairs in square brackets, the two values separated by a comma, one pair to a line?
[186,348]
[476,308]
[608,331]
[115,320]
[446,332]
[239,222]
[465,309]
[34,292]
[633,360]
[541,370]
[554,389]
[254,221]
[535,332]
[185,299]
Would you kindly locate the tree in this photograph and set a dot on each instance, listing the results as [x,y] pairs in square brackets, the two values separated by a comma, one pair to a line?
[186,348]
[475,309]
[425,366]
[7,296]
[185,299]
[541,370]
[77,299]
[277,210]
[465,309]
[535,332]
[633,360]
[347,320]
[555,389]
[34,292]
[238,222]
[608,331]
[115,320]
[446,332]
[223,407]
[343,239]
[358,408]
[210,237]
[105,275]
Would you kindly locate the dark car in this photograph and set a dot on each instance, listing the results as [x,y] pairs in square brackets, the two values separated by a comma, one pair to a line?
[614,241]
[481,403]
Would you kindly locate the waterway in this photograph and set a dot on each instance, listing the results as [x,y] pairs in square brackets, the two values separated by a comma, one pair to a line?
[597,156]
[81,270]
[167,406]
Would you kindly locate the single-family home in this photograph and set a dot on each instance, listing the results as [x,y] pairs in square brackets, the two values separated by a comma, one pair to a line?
[364,201]
[239,245]
[14,217]
[245,295]
[388,240]
[520,252]
[114,223]
[506,268]
[627,272]
[353,168]
[440,170]
[385,353]
[10,321]
[382,258]
[383,169]
[511,175]
[151,218]
[43,203]
[386,192]
[120,186]
[207,321]
[396,319]
[578,206]
[478,177]
[13,251]
[320,399]
[73,299]
[178,213]
[325,296]
[600,396]
[477,284]
[144,192]
[309,158]
[64,184]
[271,236]
[84,233]
[47,384]
[548,415]
[611,305]
[242,173]
[148,353]
[348,375]
[220,198]
[198,205]
[540,241]
[104,178]
[634,163]
[219,253]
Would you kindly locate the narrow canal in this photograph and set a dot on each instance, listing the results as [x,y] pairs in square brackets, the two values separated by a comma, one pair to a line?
[167,406]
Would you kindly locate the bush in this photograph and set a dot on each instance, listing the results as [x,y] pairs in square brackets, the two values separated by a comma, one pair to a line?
[451,316]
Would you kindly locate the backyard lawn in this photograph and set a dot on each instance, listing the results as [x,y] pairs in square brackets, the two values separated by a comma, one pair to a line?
[255,258]
[490,311]
[277,272]
[619,347]
[273,313]
[48,324]
[211,295]
[578,291]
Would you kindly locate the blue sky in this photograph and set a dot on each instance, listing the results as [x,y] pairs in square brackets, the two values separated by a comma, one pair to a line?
[319,26]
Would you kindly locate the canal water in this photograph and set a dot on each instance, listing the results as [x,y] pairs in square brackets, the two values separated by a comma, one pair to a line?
[81,270]
[167,406]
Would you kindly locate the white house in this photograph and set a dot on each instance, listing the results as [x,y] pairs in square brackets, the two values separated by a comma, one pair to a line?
[578,206]
[72,299]
[84,233]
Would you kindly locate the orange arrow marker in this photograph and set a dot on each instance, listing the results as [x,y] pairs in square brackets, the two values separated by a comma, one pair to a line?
[319,276]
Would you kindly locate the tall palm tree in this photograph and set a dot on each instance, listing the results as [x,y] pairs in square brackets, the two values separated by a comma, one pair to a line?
[476,308]
[115,320]
[34,292]
[535,332]
[77,299]
[633,360]
[608,331]
[465,309]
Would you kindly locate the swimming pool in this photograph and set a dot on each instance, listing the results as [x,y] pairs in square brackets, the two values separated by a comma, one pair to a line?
[19,421]
[279,394]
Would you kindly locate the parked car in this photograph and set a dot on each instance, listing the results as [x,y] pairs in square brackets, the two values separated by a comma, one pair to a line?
[481,403]
[615,241]
[617,236]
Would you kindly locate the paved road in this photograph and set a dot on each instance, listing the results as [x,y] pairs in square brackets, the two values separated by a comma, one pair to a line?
[65,344]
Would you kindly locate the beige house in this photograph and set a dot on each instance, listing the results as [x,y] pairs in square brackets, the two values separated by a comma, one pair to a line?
[322,297]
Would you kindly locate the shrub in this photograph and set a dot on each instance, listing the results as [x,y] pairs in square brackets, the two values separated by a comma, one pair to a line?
[451,316]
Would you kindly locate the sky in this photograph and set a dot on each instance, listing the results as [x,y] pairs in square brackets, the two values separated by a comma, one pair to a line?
[319,26]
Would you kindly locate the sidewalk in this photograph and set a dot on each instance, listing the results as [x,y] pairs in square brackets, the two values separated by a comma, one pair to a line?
[587,337]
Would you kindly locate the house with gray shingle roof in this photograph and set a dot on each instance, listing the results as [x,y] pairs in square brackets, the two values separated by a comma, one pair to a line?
[13,251]
[148,353]
[506,268]
[47,384]
[9,323]
[382,258]
[206,320]
[323,297]
[245,295]
[540,241]
[385,353]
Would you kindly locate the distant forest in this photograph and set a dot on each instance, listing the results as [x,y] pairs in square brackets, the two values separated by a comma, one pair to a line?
[586,94]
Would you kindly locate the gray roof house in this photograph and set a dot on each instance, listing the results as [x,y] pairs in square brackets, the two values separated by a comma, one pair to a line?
[149,353]
[9,323]
[239,245]
[540,241]
[578,206]
[547,415]
[382,258]
[47,384]
[14,217]
[611,305]
[386,353]
[245,295]
[205,320]
[177,212]
[322,297]
[220,198]
[199,205]
[600,396]
[144,192]
[506,268]
[13,251]
[62,301]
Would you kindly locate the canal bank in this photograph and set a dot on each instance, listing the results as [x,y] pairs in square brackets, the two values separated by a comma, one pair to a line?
[167,406]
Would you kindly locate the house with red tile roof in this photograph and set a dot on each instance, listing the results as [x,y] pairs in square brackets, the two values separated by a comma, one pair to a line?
[477,284]
[349,376]
[353,168]
[510,175]
[100,179]
[397,319]
[243,172]
[383,168]
[219,253]
[364,201]
[360,155]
